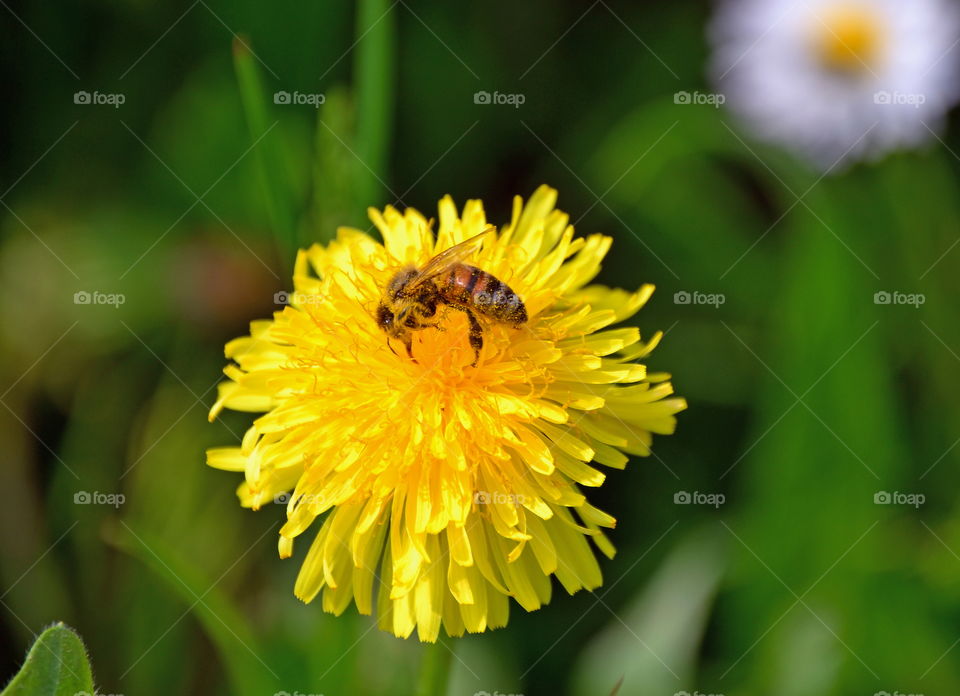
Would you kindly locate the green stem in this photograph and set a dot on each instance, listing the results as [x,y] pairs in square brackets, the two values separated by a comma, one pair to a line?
[435,669]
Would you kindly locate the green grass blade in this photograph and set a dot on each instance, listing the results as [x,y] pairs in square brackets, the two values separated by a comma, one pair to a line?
[670,615]
[268,149]
[335,198]
[226,627]
[374,90]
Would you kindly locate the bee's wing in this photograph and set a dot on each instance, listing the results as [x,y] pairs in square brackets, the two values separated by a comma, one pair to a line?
[442,261]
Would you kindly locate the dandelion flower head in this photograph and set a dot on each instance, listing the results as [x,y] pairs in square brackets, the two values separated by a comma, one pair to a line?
[440,490]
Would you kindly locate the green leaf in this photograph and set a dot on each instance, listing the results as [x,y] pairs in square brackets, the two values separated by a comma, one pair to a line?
[56,666]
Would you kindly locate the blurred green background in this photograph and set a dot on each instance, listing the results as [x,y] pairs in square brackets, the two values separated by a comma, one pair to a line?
[808,401]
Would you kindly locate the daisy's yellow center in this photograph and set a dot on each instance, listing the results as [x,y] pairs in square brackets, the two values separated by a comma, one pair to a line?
[849,38]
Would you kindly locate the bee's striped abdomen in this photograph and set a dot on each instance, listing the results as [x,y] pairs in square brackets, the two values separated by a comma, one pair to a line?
[484,293]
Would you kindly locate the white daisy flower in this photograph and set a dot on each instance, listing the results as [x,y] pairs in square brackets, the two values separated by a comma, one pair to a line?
[838,80]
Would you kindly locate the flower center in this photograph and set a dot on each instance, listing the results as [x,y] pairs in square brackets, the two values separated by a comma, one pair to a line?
[849,38]
[445,348]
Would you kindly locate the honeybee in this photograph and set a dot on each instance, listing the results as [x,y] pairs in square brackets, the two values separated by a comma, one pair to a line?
[411,298]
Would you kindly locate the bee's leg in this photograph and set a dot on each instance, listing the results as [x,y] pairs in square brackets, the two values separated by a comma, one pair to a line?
[430,325]
[476,336]
[408,342]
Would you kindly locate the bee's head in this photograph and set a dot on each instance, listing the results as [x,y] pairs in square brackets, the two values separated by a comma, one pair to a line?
[387,320]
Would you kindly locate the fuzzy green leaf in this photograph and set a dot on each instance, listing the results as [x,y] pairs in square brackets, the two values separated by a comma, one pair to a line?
[56,666]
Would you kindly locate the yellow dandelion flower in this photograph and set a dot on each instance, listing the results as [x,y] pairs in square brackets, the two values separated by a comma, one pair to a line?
[445,486]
